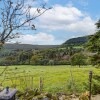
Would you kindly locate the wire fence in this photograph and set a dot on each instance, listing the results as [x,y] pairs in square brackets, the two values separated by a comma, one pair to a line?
[22,80]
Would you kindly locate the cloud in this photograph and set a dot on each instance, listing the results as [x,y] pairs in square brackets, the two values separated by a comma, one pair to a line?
[69,19]
[86,26]
[35,39]
[65,19]
[61,14]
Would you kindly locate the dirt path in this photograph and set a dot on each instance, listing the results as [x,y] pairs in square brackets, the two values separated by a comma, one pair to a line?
[97,97]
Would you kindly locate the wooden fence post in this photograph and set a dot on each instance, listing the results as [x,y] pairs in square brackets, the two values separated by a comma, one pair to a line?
[41,85]
[90,83]
[32,83]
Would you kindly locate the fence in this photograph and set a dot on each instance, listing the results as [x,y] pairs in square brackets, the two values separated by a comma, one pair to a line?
[22,80]
[19,79]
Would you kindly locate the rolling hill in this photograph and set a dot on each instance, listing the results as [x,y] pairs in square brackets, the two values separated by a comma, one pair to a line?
[77,41]
[27,46]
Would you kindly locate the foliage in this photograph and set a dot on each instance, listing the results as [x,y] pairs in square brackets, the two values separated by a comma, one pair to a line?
[78,59]
[54,56]
[62,62]
[96,84]
[95,59]
[93,45]
[51,62]
[79,41]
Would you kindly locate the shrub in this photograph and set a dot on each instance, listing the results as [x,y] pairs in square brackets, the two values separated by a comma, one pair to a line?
[95,85]
[78,59]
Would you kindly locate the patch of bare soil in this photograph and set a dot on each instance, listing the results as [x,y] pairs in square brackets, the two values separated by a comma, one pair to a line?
[96,97]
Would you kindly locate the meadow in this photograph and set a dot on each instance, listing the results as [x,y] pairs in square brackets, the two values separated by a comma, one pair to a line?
[54,78]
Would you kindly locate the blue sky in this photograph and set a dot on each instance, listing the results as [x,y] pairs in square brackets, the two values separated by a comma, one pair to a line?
[67,19]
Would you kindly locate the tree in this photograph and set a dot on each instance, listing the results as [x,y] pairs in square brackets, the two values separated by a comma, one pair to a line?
[16,15]
[98,24]
[51,62]
[93,45]
[78,59]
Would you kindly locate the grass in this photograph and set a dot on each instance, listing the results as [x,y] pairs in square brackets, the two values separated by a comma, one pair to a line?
[55,78]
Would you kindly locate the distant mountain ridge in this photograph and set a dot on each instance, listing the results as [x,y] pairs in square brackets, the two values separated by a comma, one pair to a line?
[16,46]
[73,41]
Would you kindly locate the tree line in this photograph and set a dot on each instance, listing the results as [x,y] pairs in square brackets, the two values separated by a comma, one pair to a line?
[68,55]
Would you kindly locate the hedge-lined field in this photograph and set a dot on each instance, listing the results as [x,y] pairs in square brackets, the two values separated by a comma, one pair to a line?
[55,78]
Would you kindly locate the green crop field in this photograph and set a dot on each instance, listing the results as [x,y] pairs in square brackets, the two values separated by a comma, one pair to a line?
[54,78]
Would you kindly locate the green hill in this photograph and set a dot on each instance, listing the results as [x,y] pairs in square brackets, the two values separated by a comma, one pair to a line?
[79,41]
[27,46]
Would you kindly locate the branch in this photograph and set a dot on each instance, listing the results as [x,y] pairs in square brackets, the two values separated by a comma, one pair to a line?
[31,19]
[12,16]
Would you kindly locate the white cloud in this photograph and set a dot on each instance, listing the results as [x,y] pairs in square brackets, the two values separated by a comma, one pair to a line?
[35,39]
[69,19]
[61,18]
[86,26]
[61,14]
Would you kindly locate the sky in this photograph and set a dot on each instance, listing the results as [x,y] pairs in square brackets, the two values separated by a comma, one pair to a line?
[67,19]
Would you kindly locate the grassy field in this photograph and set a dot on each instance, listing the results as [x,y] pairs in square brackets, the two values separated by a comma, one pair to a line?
[55,78]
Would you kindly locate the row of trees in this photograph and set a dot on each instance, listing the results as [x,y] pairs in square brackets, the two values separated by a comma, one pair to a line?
[68,55]
[56,56]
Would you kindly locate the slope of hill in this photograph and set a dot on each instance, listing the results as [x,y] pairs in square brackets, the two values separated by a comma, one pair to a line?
[27,46]
[77,41]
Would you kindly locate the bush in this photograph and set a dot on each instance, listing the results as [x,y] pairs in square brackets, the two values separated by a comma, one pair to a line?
[78,59]
[62,62]
[95,85]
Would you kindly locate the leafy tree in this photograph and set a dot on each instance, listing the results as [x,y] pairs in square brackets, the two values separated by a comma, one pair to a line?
[95,59]
[51,62]
[93,45]
[98,24]
[36,59]
[23,57]
[78,59]
[11,60]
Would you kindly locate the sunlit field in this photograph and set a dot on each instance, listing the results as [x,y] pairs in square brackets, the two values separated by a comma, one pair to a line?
[54,78]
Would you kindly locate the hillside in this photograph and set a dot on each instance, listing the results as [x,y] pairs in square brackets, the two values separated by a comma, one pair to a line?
[27,46]
[77,41]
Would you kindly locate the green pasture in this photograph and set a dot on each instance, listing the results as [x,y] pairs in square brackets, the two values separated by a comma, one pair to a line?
[55,78]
